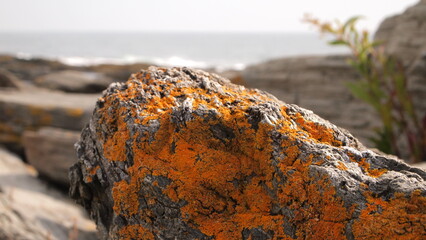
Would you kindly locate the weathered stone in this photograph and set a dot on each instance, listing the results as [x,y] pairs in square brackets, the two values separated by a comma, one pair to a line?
[29,209]
[182,154]
[74,81]
[30,110]
[404,34]
[51,152]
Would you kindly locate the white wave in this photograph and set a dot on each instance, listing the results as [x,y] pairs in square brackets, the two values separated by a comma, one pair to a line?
[173,61]
[179,62]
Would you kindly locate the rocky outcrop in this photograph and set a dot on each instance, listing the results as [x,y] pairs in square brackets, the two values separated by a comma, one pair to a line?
[30,69]
[29,209]
[51,152]
[31,110]
[74,81]
[404,34]
[182,154]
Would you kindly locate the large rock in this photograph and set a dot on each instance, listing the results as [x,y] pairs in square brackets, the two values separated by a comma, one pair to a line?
[404,34]
[74,81]
[51,152]
[30,110]
[31,210]
[182,154]
[317,83]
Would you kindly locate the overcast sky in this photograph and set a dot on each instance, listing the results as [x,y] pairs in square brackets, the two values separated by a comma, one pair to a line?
[186,15]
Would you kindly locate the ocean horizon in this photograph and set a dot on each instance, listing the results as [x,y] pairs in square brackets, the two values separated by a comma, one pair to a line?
[218,50]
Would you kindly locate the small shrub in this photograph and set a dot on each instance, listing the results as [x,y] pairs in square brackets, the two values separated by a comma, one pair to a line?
[383,85]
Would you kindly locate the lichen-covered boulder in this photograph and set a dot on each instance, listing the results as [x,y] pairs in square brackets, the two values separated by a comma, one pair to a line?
[183,154]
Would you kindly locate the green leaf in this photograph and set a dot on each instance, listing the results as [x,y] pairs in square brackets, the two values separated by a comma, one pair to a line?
[351,22]
[360,90]
[338,42]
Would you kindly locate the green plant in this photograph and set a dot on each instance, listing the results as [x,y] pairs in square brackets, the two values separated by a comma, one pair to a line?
[383,85]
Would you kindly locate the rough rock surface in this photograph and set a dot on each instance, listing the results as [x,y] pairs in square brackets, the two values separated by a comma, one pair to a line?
[405,34]
[30,110]
[74,81]
[51,152]
[29,209]
[182,154]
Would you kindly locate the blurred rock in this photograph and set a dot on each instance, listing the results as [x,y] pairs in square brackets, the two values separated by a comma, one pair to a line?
[9,80]
[31,110]
[417,84]
[404,34]
[51,152]
[74,81]
[29,209]
[119,73]
[29,69]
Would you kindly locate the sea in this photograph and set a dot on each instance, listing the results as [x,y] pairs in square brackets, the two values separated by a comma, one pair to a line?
[221,51]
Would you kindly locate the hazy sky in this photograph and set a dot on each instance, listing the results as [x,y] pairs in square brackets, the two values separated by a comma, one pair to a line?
[186,15]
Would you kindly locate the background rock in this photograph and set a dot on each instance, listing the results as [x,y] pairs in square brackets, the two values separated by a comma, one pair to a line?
[51,152]
[29,209]
[30,110]
[182,154]
[8,80]
[404,34]
[30,69]
[74,81]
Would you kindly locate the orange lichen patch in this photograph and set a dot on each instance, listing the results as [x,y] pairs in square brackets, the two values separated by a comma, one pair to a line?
[372,172]
[132,232]
[341,166]
[125,198]
[319,213]
[90,173]
[317,131]
[8,135]
[402,217]
[43,116]
[75,112]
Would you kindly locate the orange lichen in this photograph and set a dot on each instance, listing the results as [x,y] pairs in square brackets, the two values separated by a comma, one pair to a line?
[75,112]
[341,166]
[133,232]
[42,115]
[402,217]
[226,183]
[317,131]
[126,198]
[372,172]
[90,173]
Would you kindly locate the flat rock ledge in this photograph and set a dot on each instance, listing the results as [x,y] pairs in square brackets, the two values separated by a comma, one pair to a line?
[183,154]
